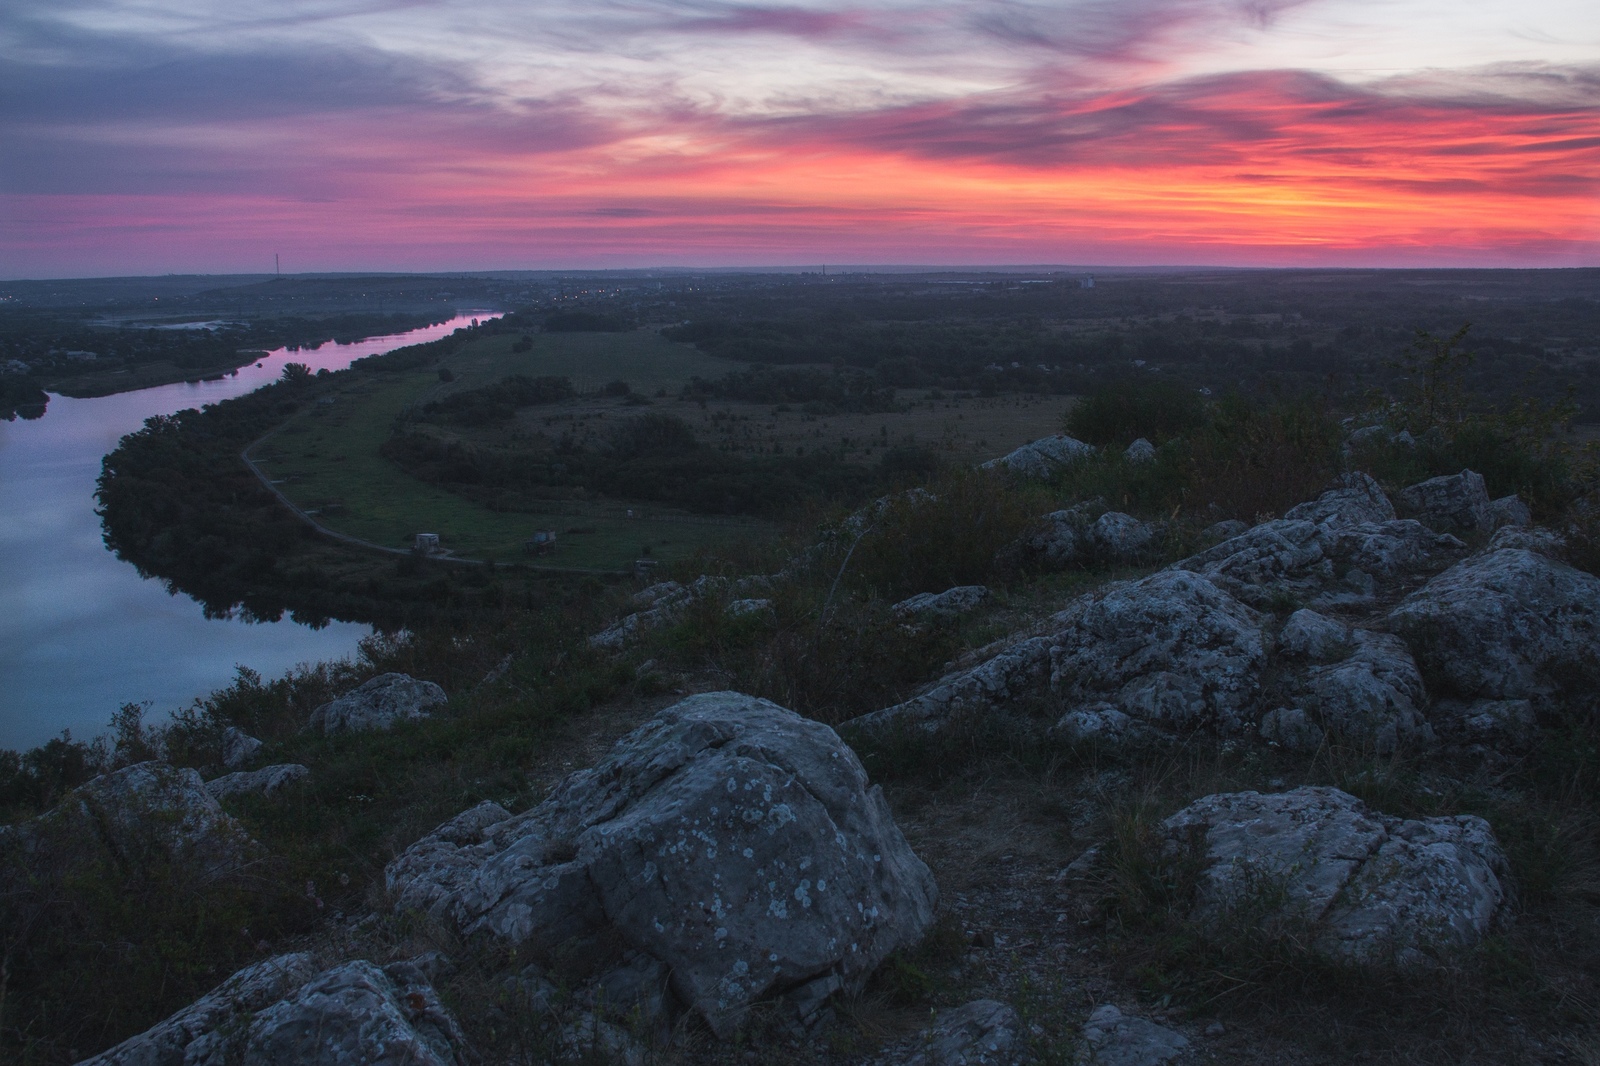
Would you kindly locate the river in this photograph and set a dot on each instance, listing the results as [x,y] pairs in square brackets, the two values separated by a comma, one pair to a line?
[81,633]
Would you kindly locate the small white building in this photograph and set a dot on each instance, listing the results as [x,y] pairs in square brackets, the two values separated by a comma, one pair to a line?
[426,543]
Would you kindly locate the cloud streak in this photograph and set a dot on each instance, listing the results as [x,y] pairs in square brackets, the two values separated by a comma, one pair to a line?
[654,131]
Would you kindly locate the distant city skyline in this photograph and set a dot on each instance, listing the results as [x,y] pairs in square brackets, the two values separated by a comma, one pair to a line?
[154,136]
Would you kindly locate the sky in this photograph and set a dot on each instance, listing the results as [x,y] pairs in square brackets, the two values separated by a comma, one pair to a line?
[157,136]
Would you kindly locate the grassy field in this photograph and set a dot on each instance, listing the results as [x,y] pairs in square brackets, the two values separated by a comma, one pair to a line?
[326,460]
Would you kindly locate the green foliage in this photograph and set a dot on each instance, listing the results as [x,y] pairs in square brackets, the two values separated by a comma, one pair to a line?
[584,322]
[496,403]
[1119,413]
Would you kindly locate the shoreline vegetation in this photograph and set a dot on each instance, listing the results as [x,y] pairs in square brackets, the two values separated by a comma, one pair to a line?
[847,533]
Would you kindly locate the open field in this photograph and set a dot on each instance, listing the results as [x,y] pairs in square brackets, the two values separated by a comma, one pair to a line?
[326,460]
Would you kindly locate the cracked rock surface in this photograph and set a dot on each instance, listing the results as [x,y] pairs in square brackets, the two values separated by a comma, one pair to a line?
[732,840]
[378,705]
[1363,886]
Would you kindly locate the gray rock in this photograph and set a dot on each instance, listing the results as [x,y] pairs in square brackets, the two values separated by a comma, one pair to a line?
[1313,636]
[1315,864]
[379,705]
[1170,651]
[1059,539]
[1373,697]
[734,841]
[1043,458]
[1140,451]
[267,781]
[1354,500]
[1491,727]
[1119,537]
[1509,512]
[145,813]
[1507,624]
[951,603]
[1226,529]
[984,1032]
[1546,542]
[1453,501]
[636,991]
[238,747]
[225,1008]
[748,608]
[1112,1038]
[354,1013]
[1291,728]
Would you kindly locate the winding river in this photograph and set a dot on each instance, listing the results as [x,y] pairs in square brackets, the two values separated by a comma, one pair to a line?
[81,633]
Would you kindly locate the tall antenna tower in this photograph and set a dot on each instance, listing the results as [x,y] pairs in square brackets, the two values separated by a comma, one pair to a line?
[277,267]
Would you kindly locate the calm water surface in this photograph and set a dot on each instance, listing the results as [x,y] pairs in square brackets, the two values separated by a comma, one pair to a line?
[80,632]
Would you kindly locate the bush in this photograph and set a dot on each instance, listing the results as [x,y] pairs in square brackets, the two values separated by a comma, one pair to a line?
[1120,413]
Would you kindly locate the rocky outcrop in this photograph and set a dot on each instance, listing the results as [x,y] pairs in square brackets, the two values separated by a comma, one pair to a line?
[147,813]
[1120,538]
[238,748]
[379,705]
[1057,540]
[1505,625]
[1169,651]
[1355,500]
[1452,502]
[1361,686]
[1317,865]
[267,781]
[284,1011]
[730,840]
[1112,1038]
[1509,512]
[665,602]
[984,1032]
[942,606]
[1043,458]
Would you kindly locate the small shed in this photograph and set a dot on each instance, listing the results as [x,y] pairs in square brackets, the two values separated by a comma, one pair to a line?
[643,568]
[543,542]
[426,543]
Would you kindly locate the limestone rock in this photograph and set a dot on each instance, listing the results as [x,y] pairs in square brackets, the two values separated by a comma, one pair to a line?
[951,603]
[1453,501]
[1546,542]
[1507,624]
[666,602]
[1140,451]
[145,813]
[379,705]
[1373,697]
[267,781]
[1355,499]
[1315,862]
[1057,540]
[984,1032]
[1112,1038]
[1119,537]
[223,1009]
[1509,512]
[748,608]
[735,842]
[1226,529]
[238,747]
[1043,458]
[1313,636]
[352,1013]
[1169,651]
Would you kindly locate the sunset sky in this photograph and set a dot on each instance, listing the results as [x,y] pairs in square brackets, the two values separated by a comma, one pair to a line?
[154,136]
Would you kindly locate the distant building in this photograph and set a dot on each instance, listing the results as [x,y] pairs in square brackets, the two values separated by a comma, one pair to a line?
[426,543]
[543,542]
[1086,282]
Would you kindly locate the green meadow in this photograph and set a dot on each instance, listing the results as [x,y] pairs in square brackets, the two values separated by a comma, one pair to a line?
[326,459]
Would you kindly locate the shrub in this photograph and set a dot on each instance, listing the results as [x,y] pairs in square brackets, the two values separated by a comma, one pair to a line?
[1123,411]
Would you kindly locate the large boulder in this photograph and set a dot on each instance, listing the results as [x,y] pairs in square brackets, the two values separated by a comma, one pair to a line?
[1353,500]
[947,605]
[1043,458]
[378,705]
[1170,651]
[283,1010]
[1315,863]
[1505,625]
[238,748]
[731,840]
[1121,538]
[1452,502]
[141,815]
[1357,684]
